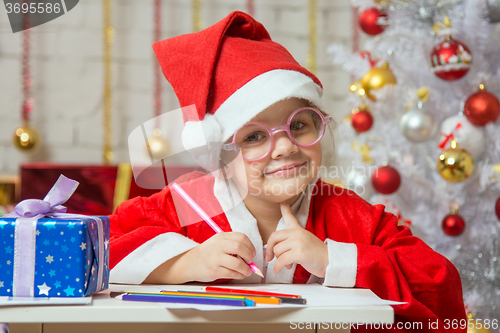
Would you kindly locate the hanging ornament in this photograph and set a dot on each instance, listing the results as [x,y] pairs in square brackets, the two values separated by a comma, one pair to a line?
[469,137]
[157,146]
[26,138]
[251,7]
[482,107]
[361,119]
[497,208]
[358,181]
[108,35]
[312,37]
[455,164]
[475,326]
[492,11]
[386,180]
[416,124]
[373,21]
[376,78]
[453,224]
[196,14]
[450,59]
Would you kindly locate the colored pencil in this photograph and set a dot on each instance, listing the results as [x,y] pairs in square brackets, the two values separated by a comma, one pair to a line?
[256,299]
[287,300]
[209,220]
[248,301]
[247,292]
[180,299]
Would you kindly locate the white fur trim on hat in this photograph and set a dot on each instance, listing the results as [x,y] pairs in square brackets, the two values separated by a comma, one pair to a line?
[255,96]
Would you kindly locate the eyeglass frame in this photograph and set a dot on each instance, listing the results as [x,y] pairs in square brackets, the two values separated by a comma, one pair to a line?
[325,120]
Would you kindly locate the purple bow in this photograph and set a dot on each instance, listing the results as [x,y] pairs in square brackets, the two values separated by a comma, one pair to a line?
[27,213]
[62,190]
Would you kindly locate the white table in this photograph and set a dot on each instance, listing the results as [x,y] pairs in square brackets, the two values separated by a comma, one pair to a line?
[110,315]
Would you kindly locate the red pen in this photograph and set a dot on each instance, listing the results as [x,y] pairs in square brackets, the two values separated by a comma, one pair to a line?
[247,292]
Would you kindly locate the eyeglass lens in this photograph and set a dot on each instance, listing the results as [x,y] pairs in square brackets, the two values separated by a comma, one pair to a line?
[254,140]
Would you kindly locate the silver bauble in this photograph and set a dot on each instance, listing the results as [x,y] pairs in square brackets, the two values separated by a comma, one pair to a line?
[358,181]
[493,11]
[418,125]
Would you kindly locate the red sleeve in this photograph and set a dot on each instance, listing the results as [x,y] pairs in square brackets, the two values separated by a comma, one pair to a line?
[139,220]
[398,266]
[390,261]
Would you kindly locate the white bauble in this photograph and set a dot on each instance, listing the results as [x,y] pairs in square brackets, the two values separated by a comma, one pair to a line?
[358,181]
[418,125]
[469,137]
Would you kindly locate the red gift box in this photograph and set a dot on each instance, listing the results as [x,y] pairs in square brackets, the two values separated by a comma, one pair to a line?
[101,189]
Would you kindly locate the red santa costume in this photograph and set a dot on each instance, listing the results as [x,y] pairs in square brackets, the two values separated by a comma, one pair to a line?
[231,71]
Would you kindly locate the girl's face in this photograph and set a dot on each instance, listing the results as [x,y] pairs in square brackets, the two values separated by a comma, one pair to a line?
[287,169]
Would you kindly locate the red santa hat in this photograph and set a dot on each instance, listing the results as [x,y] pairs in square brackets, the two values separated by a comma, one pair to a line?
[230,72]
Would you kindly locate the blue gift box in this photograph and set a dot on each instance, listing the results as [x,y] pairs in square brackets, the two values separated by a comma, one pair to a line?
[66,256]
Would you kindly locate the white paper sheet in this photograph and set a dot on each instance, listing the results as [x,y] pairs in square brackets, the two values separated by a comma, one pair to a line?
[315,294]
[11,301]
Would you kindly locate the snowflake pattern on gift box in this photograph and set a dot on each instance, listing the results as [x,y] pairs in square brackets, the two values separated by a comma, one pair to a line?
[66,257]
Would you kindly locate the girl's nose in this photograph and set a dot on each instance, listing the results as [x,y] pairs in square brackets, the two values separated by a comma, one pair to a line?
[283,146]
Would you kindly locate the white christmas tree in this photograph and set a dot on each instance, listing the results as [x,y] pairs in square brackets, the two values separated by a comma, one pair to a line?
[433,117]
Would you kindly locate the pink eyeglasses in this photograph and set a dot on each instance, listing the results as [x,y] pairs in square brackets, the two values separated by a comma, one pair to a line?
[305,127]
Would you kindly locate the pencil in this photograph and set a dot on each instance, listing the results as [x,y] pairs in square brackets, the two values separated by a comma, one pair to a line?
[287,300]
[247,292]
[256,299]
[248,301]
[180,299]
[209,220]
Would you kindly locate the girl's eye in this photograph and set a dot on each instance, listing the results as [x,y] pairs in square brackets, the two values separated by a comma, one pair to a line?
[254,137]
[296,125]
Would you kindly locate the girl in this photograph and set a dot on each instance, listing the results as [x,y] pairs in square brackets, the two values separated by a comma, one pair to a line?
[239,88]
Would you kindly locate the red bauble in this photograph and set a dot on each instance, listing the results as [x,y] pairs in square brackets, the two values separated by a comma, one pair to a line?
[362,121]
[453,225]
[451,59]
[386,180]
[482,107]
[372,21]
[497,208]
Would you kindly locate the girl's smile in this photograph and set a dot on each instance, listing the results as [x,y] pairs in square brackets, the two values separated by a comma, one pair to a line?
[285,170]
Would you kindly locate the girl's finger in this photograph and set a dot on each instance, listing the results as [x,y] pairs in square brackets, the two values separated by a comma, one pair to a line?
[288,217]
[236,264]
[282,247]
[243,239]
[284,260]
[275,238]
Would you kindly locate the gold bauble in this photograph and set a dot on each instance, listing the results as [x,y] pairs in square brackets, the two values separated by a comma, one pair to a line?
[455,164]
[474,326]
[158,146]
[26,138]
[376,78]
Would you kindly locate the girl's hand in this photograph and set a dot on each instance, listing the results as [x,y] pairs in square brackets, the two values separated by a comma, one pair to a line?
[296,245]
[216,258]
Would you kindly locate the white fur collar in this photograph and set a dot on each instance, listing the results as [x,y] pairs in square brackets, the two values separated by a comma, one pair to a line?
[241,220]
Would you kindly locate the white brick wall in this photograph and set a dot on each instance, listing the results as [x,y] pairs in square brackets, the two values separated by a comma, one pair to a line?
[67,70]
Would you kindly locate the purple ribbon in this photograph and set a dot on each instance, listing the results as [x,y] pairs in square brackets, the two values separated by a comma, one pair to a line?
[27,213]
